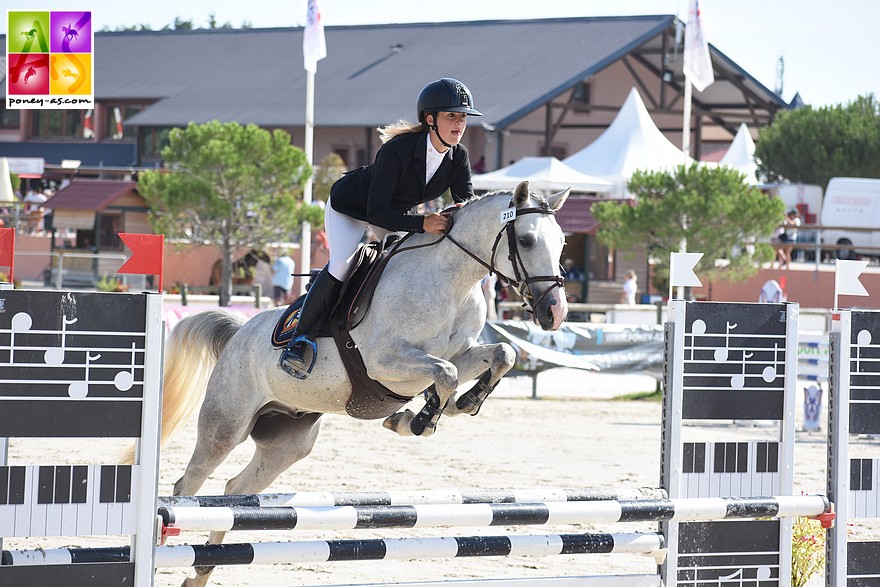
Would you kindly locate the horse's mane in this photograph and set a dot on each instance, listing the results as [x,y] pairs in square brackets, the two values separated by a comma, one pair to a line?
[508,193]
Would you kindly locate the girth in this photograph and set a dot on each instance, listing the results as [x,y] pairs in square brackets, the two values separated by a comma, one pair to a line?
[369,399]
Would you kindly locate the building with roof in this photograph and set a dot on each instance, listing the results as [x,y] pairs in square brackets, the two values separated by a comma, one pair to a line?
[545,87]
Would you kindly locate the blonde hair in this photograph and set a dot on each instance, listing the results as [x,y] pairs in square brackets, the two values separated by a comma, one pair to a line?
[386,133]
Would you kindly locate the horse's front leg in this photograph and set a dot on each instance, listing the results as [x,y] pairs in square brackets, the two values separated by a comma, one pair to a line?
[499,358]
[413,364]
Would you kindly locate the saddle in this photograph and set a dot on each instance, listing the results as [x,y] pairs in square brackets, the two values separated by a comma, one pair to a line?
[369,399]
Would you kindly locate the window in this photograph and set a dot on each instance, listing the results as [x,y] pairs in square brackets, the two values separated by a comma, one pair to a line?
[109,232]
[152,141]
[57,124]
[343,153]
[581,97]
[10,118]
[115,115]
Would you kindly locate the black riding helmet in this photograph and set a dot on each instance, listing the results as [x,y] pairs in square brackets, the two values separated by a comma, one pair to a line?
[444,95]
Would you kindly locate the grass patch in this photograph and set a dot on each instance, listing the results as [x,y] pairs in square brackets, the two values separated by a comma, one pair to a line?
[641,396]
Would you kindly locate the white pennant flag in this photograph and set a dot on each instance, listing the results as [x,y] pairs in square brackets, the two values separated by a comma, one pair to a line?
[697,61]
[314,45]
[848,283]
[681,269]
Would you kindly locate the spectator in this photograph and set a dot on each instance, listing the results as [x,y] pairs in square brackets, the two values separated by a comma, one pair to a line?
[630,287]
[282,277]
[789,236]
[575,277]
[480,165]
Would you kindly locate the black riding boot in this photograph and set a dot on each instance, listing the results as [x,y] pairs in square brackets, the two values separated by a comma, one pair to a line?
[298,358]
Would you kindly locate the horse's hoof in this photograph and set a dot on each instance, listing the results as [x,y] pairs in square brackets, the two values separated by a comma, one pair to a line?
[400,422]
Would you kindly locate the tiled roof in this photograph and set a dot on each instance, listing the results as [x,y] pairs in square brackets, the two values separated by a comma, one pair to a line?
[371,74]
[89,194]
[575,216]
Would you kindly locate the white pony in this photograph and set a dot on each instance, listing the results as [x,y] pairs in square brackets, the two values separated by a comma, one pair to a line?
[420,332]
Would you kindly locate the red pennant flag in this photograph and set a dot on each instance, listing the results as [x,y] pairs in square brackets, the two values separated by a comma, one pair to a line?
[147,255]
[7,250]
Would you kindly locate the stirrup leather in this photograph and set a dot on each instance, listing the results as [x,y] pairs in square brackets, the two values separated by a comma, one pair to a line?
[294,356]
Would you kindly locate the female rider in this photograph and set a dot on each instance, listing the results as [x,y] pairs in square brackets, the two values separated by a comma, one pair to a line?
[416,164]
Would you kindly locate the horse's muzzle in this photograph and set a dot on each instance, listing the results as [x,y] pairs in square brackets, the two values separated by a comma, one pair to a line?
[551,310]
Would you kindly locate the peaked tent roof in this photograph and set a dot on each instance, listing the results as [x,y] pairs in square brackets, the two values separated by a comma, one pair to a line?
[632,142]
[741,155]
[542,173]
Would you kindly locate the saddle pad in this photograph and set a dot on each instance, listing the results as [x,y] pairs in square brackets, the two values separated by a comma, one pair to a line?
[283,331]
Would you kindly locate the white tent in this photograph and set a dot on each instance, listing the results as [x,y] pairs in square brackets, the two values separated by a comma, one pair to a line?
[741,155]
[543,173]
[7,194]
[632,142]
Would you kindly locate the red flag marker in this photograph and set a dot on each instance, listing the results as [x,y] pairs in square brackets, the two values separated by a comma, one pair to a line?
[7,251]
[147,255]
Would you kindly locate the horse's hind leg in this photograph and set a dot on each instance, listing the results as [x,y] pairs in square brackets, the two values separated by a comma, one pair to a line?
[492,361]
[281,440]
[219,431]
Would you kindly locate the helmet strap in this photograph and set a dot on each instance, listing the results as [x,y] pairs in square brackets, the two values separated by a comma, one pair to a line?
[437,131]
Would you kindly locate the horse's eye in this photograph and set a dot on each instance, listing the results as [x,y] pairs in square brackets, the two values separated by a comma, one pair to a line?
[527,241]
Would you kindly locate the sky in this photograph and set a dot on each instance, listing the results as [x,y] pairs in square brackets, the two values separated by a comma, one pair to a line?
[830,47]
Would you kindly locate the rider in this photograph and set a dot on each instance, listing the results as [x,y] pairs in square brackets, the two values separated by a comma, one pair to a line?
[416,164]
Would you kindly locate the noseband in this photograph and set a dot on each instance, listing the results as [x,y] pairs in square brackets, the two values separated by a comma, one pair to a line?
[521,278]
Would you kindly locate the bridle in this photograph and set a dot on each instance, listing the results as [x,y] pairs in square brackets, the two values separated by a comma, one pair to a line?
[521,278]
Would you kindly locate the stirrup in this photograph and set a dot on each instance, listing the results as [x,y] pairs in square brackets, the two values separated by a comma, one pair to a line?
[293,357]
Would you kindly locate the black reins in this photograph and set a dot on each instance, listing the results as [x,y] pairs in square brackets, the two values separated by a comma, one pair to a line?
[521,278]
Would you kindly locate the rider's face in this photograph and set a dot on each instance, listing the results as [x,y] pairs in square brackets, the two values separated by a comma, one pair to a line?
[451,126]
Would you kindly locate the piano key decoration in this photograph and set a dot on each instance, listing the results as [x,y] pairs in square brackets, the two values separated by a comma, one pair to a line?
[854,410]
[80,365]
[735,363]
[67,500]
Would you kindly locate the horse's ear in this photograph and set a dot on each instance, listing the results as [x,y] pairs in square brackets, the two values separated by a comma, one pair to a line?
[521,194]
[558,199]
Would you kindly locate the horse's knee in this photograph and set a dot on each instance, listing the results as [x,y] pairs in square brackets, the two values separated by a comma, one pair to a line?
[445,378]
[504,357]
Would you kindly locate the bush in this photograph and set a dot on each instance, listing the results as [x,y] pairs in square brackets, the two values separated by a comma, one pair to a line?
[807,550]
[108,283]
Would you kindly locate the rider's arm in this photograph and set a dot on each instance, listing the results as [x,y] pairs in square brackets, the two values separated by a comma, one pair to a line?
[387,173]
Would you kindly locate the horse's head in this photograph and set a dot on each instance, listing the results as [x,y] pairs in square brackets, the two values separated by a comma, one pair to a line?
[535,242]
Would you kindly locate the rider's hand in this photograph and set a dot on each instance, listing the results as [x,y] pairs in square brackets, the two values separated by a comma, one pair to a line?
[435,223]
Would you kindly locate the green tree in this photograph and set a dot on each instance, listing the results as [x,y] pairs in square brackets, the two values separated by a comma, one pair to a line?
[713,209]
[231,186]
[329,170]
[813,145]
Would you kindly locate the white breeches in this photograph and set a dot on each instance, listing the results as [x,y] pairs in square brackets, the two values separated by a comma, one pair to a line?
[344,234]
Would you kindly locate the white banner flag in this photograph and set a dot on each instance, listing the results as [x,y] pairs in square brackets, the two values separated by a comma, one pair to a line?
[681,269]
[697,61]
[848,283]
[314,45]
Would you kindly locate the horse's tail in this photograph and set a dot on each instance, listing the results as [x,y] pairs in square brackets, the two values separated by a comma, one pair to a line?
[191,352]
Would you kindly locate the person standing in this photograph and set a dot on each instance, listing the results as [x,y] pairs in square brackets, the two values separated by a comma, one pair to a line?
[416,164]
[282,277]
[630,287]
[789,236]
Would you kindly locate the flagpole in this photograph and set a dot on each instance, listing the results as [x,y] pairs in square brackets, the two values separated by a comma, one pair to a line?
[685,152]
[306,240]
[836,281]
